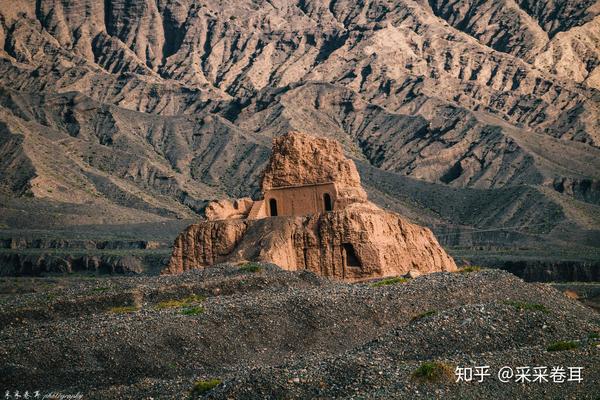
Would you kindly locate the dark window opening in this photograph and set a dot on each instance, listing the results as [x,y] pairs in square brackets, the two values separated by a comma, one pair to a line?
[273,207]
[327,201]
[351,257]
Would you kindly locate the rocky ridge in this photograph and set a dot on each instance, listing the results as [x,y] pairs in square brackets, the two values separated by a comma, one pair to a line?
[161,106]
[386,244]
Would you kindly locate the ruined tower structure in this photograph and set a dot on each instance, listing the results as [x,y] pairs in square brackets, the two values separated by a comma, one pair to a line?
[307,175]
[314,215]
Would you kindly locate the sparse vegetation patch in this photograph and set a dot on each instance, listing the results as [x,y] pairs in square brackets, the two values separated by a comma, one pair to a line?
[180,303]
[389,281]
[563,345]
[424,315]
[251,268]
[434,371]
[194,310]
[123,309]
[526,306]
[203,386]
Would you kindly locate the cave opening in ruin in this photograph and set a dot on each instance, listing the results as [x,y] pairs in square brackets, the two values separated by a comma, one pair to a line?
[327,201]
[350,256]
[273,207]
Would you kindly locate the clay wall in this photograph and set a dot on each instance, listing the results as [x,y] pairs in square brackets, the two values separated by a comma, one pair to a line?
[299,200]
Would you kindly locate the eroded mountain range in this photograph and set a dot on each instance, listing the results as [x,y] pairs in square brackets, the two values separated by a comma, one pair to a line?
[477,118]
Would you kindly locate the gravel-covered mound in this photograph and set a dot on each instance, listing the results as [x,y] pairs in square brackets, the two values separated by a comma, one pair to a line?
[255,331]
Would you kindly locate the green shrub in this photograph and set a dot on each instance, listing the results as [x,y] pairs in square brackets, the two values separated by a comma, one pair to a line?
[594,335]
[563,345]
[201,387]
[193,310]
[526,306]
[251,267]
[434,371]
[389,281]
[179,303]
[424,315]
[123,309]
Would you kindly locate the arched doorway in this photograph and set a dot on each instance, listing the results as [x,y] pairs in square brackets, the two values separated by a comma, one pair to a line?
[327,201]
[273,207]
[350,257]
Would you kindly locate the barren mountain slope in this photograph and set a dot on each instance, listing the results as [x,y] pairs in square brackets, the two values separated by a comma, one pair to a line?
[562,37]
[159,106]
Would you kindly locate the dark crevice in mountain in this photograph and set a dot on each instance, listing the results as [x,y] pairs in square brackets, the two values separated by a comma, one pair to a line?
[453,173]
[108,17]
[591,64]
[174,35]
[331,44]
[332,4]
[234,108]
[586,190]
[222,73]
[302,6]
[38,12]
[364,74]
[501,43]
[207,46]
[72,125]
[8,43]
[238,83]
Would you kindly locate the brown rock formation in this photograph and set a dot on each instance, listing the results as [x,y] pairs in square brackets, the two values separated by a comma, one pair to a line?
[353,240]
[307,175]
[228,209]
[300,159]
[359,242]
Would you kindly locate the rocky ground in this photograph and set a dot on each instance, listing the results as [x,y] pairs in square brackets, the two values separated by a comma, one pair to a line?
[255,331]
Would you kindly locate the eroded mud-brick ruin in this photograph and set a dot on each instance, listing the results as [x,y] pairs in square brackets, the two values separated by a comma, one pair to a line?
[315,215]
